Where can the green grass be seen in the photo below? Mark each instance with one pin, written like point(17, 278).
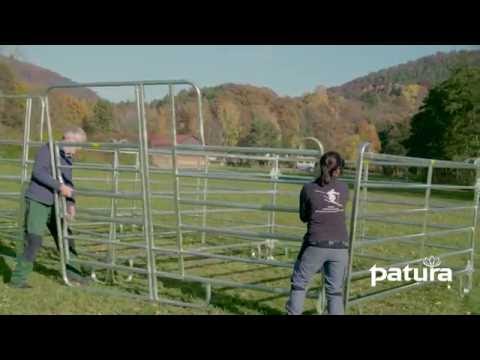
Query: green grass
point(50, 296)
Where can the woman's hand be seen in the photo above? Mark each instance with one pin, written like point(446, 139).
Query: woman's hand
point(71, 211)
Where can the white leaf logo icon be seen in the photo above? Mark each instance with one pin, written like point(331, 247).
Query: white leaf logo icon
point(432, 261)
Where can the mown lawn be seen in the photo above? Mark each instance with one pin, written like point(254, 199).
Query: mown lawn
point(50, 296)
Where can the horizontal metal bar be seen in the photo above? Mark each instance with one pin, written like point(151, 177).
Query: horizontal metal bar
point(9, 161)
point(107, 220)
point(263, 236)
point(414, 211)
point(224, 247)
point(109, 168)
point(10, 194)
point(228, 204)
point(384, 185)
point(106, 242)
point(409, 223)
point(248, 150)
point(238, 178)
point(10, 177)
point(20, 143)
point(191, 278)
point(108, 194)
point(413, 236)
point(93, 233)
point(246, 260)
point(394, 202)
point(168, 152)
point(421, 161)
point(20, 96)
point(433, 245)
point(99, 145)
point(122, 84)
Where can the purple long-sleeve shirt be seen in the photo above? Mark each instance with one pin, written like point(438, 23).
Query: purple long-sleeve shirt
point(42, 184)
point(323, 209)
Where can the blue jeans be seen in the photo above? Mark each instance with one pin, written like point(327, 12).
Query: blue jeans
point(311, 260)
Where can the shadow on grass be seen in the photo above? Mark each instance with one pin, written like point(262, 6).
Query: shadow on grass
point(6, 271)
point(220, 298)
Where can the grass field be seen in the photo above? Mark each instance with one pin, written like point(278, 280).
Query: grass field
point(50, 296)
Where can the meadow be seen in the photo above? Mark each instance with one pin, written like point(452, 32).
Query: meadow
point(50, 296)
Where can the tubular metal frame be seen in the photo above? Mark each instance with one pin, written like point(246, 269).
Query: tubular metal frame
point(152, 230)
point(25, 144)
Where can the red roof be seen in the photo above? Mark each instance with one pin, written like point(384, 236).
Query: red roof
point(159, 140)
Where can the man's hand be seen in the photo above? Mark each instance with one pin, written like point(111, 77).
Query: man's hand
point(66, 191)
point(71, 210)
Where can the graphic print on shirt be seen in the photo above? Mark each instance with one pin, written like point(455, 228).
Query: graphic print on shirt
point(332, 198)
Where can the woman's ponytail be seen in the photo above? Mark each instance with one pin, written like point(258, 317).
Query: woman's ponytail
point(330, 162)
point(325, 176)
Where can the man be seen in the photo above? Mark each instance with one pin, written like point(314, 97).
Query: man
point(40, 209)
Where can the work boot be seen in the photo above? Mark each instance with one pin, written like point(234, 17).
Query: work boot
point(76, 277)
point(21, 273)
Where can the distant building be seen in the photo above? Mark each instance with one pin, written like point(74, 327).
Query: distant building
point(183, 161)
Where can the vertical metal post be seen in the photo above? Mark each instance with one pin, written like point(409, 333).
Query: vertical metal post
point(428, 192)
point(63, 208)
point(42, 122)
point(26, 141)
point(353, 221)
point(205, 161)
point(112, 235)
point(135, 183)
point(274, 194)
point(176, 181)
point(197, 183)
point(205, 197)
point(56, 174)
point(476, 200)
point(270, 243)
point(24, 173)
point(364, 201)
point(147, 206)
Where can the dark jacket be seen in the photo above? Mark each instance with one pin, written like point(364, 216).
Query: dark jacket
point(323, 208)
point(42, 184)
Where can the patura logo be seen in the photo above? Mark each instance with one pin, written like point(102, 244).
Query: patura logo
point(430, 272)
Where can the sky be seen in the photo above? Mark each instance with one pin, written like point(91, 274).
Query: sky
point(288, 70)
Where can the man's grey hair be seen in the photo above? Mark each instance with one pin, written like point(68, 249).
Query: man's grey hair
point(74, 130)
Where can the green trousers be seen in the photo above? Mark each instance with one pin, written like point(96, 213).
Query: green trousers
point(38, 217)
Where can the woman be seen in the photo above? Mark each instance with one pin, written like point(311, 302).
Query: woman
point(325, 245)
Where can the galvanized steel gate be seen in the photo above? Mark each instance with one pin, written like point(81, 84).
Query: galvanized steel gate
point(179, 223)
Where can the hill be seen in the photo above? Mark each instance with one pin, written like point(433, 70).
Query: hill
point(38, 78)
point(376, 108)
point(426, 72)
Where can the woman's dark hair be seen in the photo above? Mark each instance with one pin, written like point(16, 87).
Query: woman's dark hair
point(329, 163)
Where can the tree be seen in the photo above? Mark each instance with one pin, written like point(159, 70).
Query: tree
point(229, 116)
point(12, 111)
point(7, 79)
point(262, 134)
point(392, 138)
point(368, 132)
point(447, 125)
point(102, 117)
